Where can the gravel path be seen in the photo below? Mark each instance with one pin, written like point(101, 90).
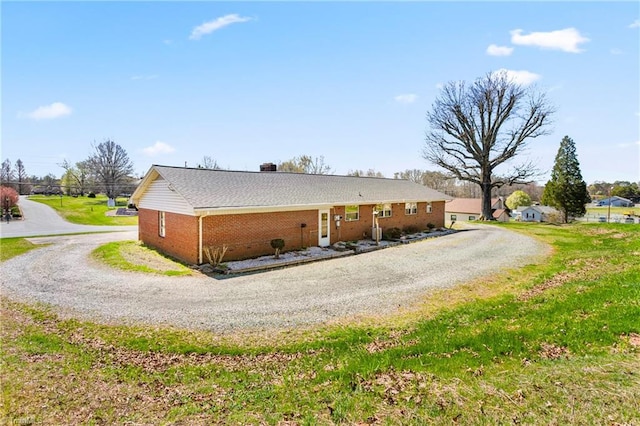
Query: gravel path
point(63, 275)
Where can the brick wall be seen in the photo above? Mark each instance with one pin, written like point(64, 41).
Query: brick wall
point(250, 235)
point(355, 230)
point(181, 234)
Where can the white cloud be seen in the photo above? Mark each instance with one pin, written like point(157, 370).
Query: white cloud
point(216, 24)
point(635, 24)
point(521, 77)
point(158, 148)
point(407, 98)
point(47, 112)
point(567, 40)
point(495, 50)
point(615, 51)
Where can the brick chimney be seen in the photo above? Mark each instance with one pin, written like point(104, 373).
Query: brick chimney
point(268, 167)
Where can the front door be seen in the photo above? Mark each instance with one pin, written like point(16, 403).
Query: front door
point(324, 239)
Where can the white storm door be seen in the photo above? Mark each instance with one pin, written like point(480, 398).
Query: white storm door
point(324, 239)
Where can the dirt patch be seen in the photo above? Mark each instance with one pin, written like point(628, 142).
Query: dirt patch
point(551, 351)
point(584, 271)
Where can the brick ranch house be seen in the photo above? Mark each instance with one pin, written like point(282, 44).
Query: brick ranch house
point(184, 210)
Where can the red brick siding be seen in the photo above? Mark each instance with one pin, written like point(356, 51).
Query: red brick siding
point(181, 234)
point(249, 235)
point(354, 230)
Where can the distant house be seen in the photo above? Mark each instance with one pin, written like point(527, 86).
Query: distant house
point(536, 213)
point(182, 211)
point(467, 209)
point(616, 202)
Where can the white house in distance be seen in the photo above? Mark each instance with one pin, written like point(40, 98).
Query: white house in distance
point(468, 209)
point(616, 201)
point(535, 213)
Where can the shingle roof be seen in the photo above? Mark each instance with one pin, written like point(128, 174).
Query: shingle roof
point(205, 188)
point(539, 209)
point(466, 205)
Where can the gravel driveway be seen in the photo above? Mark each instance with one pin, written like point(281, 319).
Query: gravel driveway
point(63, 275)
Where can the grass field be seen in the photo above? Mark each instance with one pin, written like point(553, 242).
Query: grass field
point(85, 210)
point(602, 211)
point(555, 343)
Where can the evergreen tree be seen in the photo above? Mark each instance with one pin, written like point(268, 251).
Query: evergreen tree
point(566, 191)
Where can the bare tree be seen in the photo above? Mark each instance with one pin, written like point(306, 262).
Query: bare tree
point(474, 129)
point(22, 177)
point(305, 164)
point(209, 163)
point(78, 175)
point(7, 175)
point(111, 166)
point(368, 173)
point(413, 175)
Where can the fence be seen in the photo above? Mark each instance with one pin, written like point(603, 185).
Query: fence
point(613, 218)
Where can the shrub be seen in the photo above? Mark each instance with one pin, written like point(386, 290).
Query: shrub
point(277, 244)
point(215, 254)
point(430, 226)
point(8, 197)
point(410, 229)
point(391, 233)
point(91, 195)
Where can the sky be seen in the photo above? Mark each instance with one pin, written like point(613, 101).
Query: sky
point(252, 82)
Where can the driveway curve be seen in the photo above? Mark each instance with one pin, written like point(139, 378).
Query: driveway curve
point(63, 275)
point(40, 219)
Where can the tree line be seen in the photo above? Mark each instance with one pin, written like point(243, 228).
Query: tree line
point(108, 170)
point(474, 130)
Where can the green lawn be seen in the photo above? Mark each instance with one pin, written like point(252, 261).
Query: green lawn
point(85, 210)
point(554, 343)
point(134, 257)
point(11, 247)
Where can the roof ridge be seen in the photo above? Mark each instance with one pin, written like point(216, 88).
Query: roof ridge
point(277, 172)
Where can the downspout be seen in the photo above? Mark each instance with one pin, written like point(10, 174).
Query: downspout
point(200, 240)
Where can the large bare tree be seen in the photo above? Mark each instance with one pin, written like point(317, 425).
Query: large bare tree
point(476, 128)
point(111, 166)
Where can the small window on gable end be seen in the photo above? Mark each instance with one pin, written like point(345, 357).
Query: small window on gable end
point(352, 213)
point(161, 224)
point(454, 217)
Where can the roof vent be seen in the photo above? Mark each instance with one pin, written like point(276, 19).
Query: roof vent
point(268, 167)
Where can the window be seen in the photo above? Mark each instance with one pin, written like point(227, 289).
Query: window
point(454, 217)
point(384, 210)
point(161, 224)
point(352, 213)
point(472, 218)
point(429, 208)
point(411, 208)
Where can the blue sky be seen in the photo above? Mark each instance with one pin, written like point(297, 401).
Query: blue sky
point(253, 82)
